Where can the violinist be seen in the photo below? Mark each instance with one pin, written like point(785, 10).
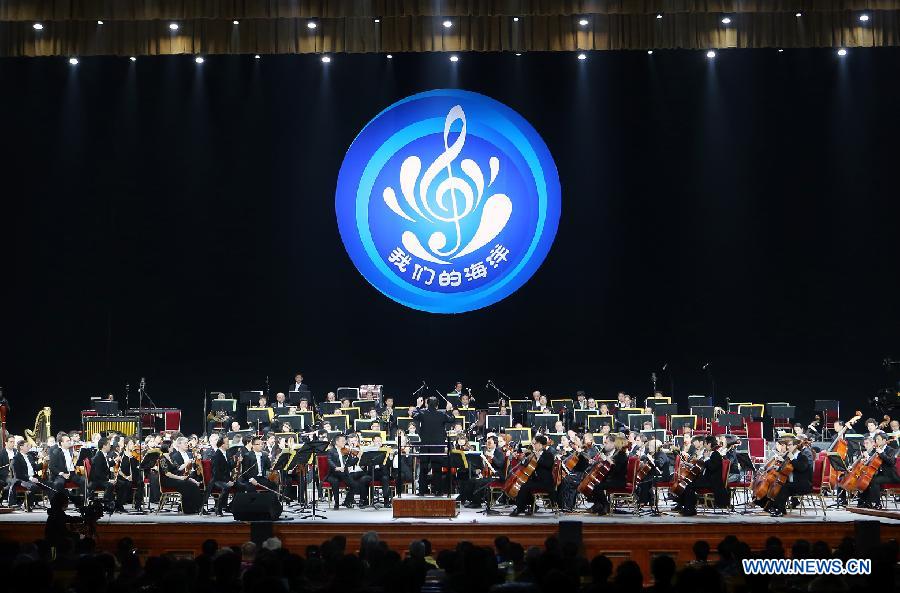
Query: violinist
point(172, 476)
point(6, 457)
point(661, 471)
point(255, 466)
point(568, 487)
point(799, 481)
point(181, 457)
point(24, 473)
point(727, 447)
point(711, 459)
point(541, 479)
point(871, 496)
point(124, 473)
point(614, 452)
point(340, 463)
point(62, 464)
point(382, 473)
point(471, 492)
point(222, 468)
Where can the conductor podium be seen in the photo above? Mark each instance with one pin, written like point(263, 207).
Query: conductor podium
point(424, 507)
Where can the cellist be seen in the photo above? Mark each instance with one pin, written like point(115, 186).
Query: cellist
point(706, 451)
point(614, 451)
point(541, 479)
point(800, 479)
point(887, 473)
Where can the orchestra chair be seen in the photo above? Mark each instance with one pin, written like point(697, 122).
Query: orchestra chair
point(706, 495)
point(757, 449)
point(742, 486)
point(891, 490)
point(548, 497)
point(169, 497)
point(664, 486)
point(328, 489)
point(815, 496)
point(91, 494)
point(754, 429)
point(628, 494)
point(495, 487)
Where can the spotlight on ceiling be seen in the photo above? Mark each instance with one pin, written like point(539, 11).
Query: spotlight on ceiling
point(658, 16)
point(583, 22)
point(199, 59)
point(781, 51)
point(798, 15)
point(842, 52)
point(582, 57)
point(448, 24)
point(454, 58)
point(37, 27)
point(133, 59)
point(73, 61)
point(710, 54)
point(864, 18)
point(326, 59)
point(377, 20)
point(649, 52)
point(256, 57)
point(173, 26)
point(726, 21)
point(515, 19)
point(99, 22)
point(235, 22)
point(312, 25)
point(390, 56)
point(518, 53)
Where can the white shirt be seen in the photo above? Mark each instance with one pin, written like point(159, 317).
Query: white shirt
point(28, 463)
point(70, 465)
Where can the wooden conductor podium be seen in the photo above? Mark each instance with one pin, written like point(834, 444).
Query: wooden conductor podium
point(424, 507)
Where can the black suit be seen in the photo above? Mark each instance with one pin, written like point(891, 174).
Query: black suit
point(250, 470)
point(431, 426)
point(301, 387)
point(615, 478)
point(357, 482)
point(887, 474)
point(5, 466)
point(712, 479)
point(101, 477)
point(799, 482)
point(57, 466)
point(221, 476)
point(541, 479)
point(20, 476)
point(474, 490)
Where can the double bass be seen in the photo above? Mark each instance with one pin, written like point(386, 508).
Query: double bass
point(841, 447)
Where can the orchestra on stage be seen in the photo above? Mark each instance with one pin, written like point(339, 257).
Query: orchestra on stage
point(353, 448)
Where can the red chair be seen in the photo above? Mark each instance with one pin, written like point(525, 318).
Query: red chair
point(629, 492)
point(892, 489)
point(207, 479)
point(707, 495)
point(755, 429)
point(757, 449)
point(322, 461)
point(819, 478)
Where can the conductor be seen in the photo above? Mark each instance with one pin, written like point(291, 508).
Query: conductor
point(431, 424)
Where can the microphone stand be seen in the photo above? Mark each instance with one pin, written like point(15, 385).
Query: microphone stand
point(712, 381)
point(140, 449)
point(205, 420)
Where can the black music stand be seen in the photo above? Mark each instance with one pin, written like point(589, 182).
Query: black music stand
point(454, 399)
point(730, 421)
point(369, 460)
point(260, 416)
point(314, 448)
point(699, 400)
point(824, 406)
point(596, 421)
point(780, 413)
point(279, 466)
point(636, 421)
point(456, 459)
point(294, 397)
point(329, 407)
point(580, 417)
point(106, 407)
point(546, 422)
point(519, 408)
point(495, 422)
point(666, 410)
point(679, 421)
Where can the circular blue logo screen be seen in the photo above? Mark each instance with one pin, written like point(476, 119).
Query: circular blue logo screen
point(448, 201)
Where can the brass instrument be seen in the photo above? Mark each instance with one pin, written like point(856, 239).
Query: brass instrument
point(41, 430)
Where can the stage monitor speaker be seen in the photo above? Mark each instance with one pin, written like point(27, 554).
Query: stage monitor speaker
point(571, 531)
point(255, 506)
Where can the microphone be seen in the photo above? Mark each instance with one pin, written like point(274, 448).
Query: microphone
point(488, 384)
point(704, 367)
point(143, 382)
point(665, 365)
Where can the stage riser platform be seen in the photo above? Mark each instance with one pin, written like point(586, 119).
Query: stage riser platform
point(639, 542)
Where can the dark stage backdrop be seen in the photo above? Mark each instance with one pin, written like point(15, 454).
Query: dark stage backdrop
point(177, 222)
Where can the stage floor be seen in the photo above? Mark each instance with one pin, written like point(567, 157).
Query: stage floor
point(381, 516)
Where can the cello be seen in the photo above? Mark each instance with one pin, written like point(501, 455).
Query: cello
point(518, 476)
point(860, 475)
point(594, 475)
point(688, 471)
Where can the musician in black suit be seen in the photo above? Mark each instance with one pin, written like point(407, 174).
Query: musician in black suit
point(61, 466)
point(541, 478)
point(221, 476)
point(660, 471)
point(280, 404)
point(706, 451)
point(887, 473)
point(339, 470)
point(471, 492)
point(431, 426)
point(298, 384)
point(101, 477)
point(255, 466)
point(24, 473)
point(6, 457)
point(615, 451)
point(800, 479)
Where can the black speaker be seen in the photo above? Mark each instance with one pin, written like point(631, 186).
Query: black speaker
point(255, 506)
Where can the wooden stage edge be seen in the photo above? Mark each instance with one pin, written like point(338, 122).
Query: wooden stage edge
point(640, 542)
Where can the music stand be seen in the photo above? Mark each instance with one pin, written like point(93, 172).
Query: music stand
point(351, 413)
point(248, 397)
point(520, 435)
point(454, 398)
point(652, 402)
point(636, 421)
point(581, 416)
point(519, 407)
point(315, 448)
point(544, 421)
point(667, 410)
point(294, 397)
point(295, 420)
point(360, 424)
point(699, 400)
point(329, 407)
point(260, 416)
point(338, 422)
point(730, 421)
point(680, 420)
point(364, 406)
point(825, 406)
point(597, 421)
point(495, 422)
point(752, 411)
point(351, 393)
point(223, 405)
point(780, 412)
point(106, 407)
point(558, 405)
point(371, 459)
point(456, 459)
